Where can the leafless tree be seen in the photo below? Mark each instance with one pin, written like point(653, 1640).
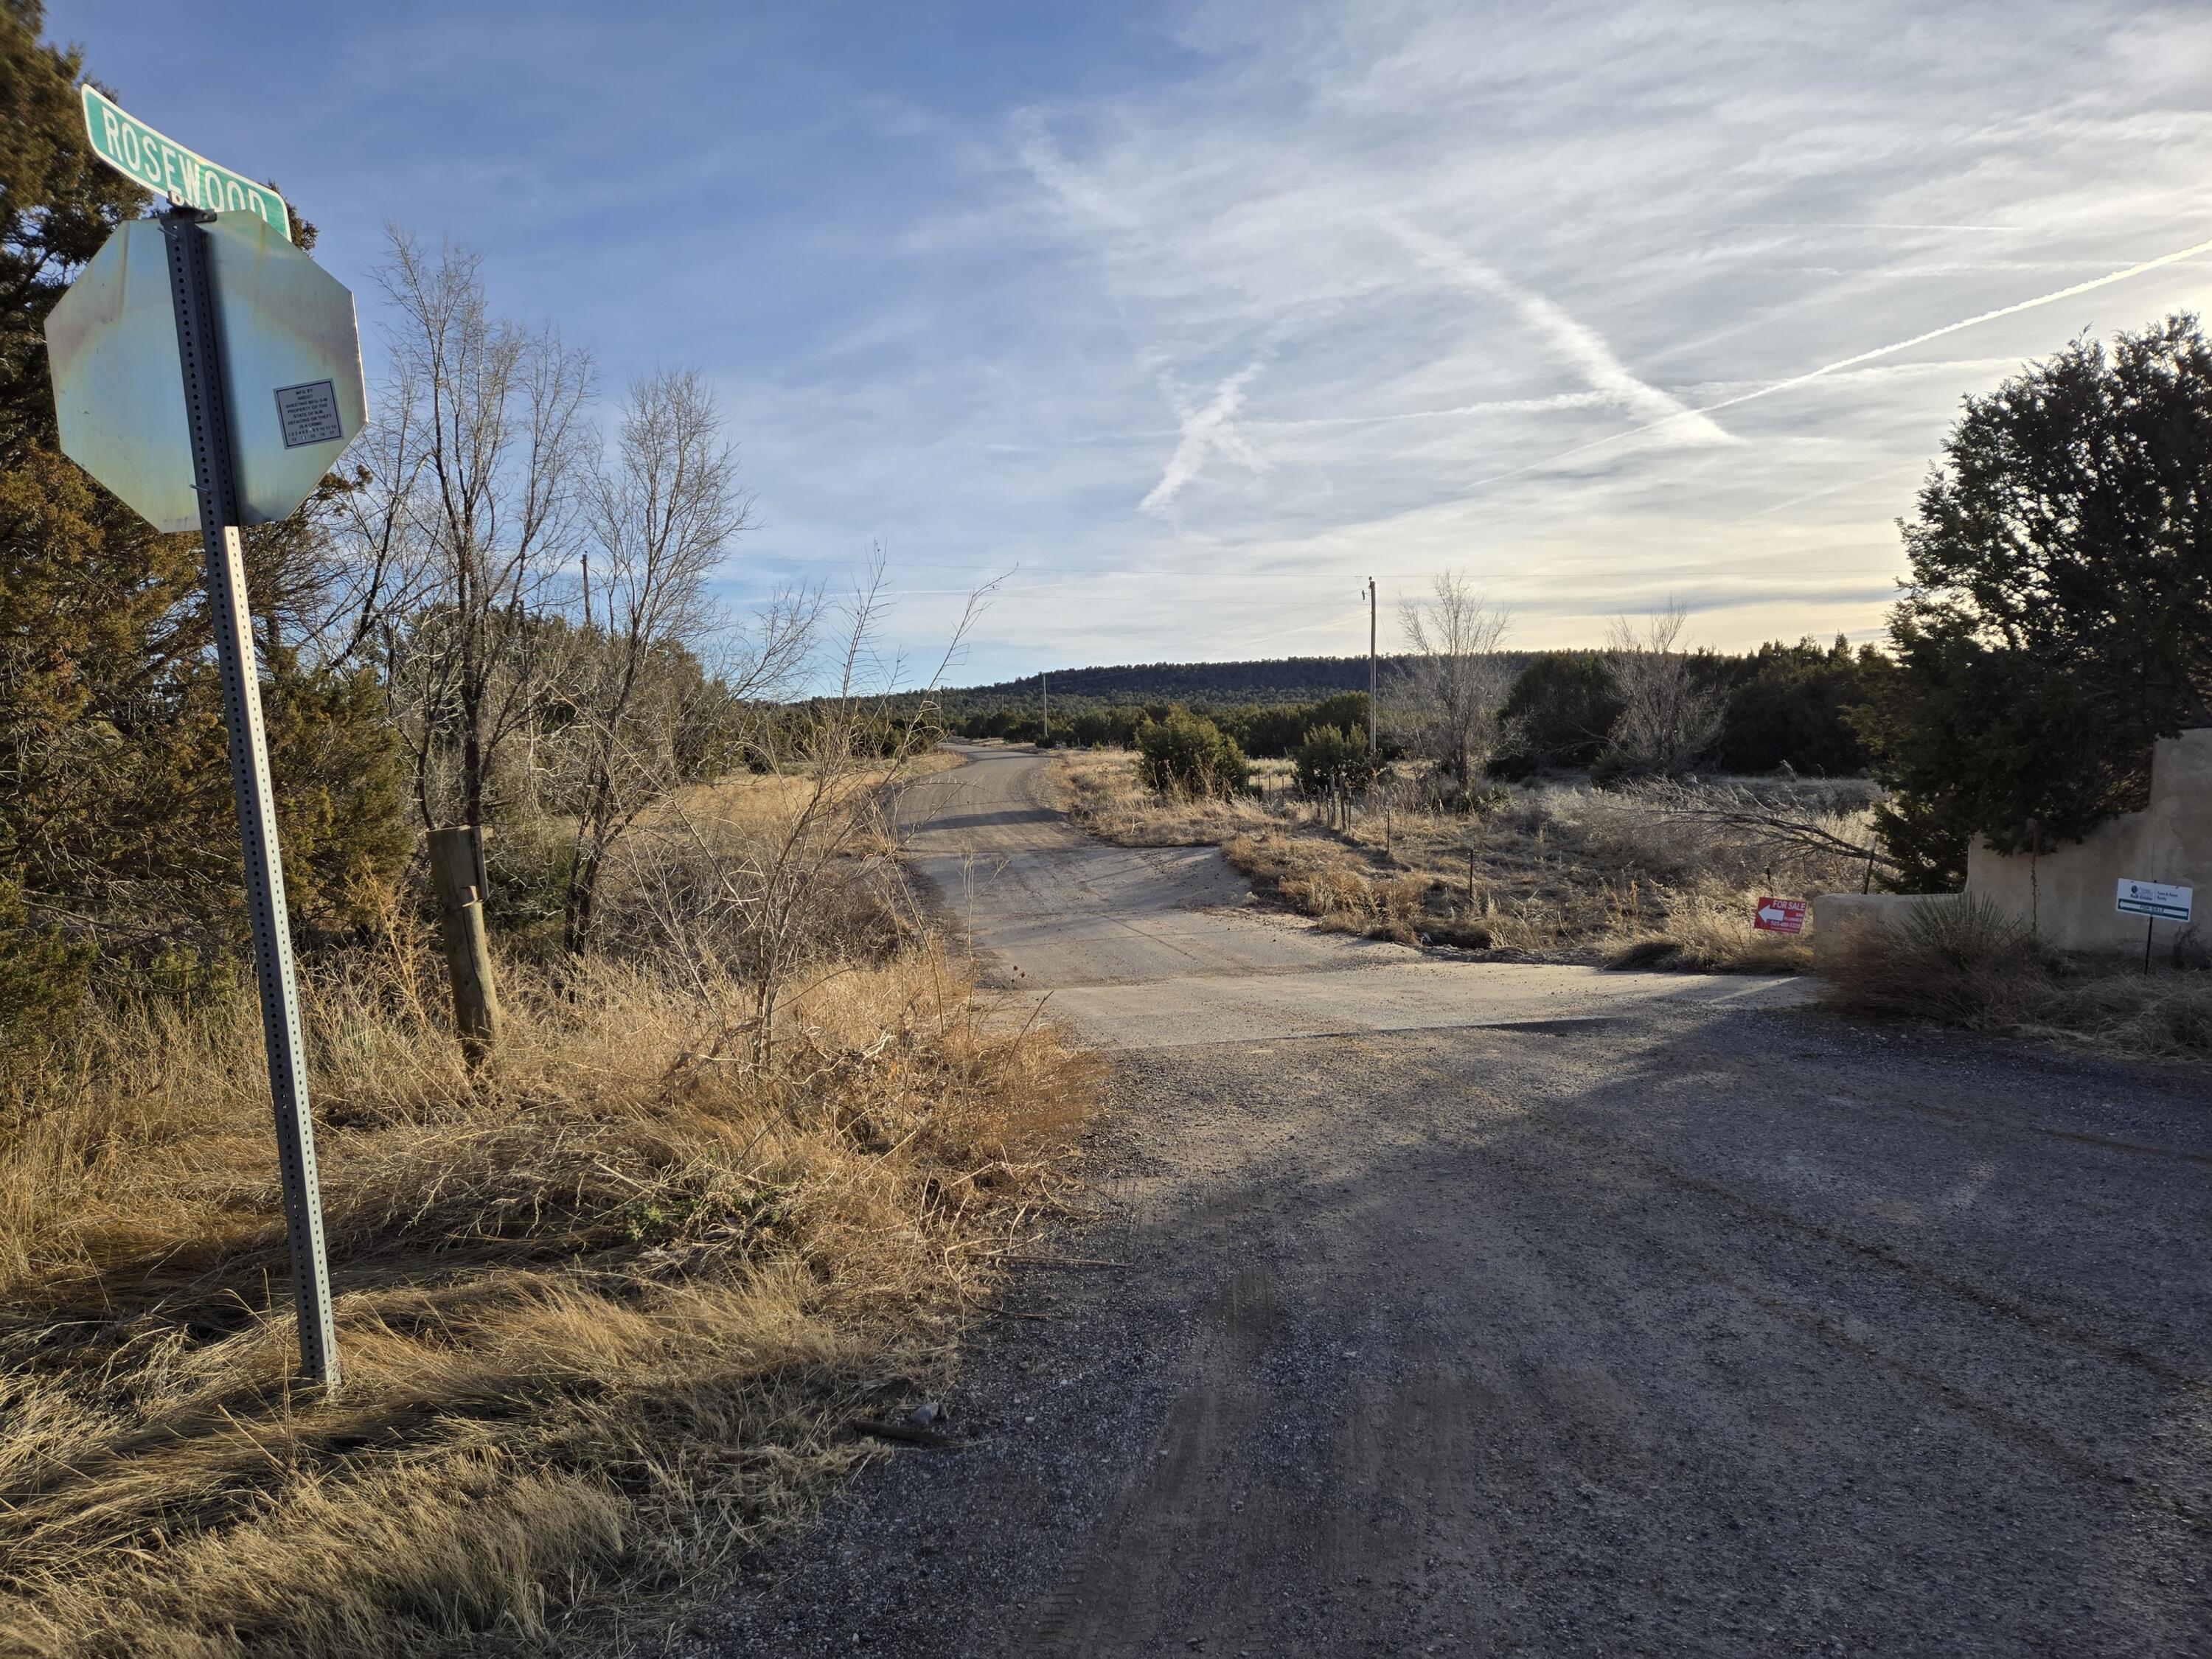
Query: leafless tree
point(478, 481)
point(769, 901)
point(1667, 721)
point(1455, 683)
point(379, 562)
point(661, 515)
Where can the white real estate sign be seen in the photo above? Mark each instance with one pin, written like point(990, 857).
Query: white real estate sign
point(2153, 899)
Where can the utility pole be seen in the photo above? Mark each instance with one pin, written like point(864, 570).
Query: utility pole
point(1045, 685)
point(1372, 749)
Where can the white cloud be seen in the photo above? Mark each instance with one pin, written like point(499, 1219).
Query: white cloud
point(1505, 269)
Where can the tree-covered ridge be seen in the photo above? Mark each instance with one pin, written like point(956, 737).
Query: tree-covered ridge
point(1209, 684)
point(1780, 706)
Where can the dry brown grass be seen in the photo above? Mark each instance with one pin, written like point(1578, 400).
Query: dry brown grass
point(1555, 872)
point(1319, 878)
point(1967, 966)
point(604, 1317)
point(1099, 789)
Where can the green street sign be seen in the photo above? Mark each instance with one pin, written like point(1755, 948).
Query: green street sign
point(167, 168)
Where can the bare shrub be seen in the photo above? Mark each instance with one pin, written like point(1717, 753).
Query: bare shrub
point(1707, 933)
point(1330, 884)
point(1667, 721)
point(762, 901)
point(2171, 1018)
point(1960, 961)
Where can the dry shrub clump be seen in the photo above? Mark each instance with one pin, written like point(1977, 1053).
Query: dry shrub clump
point(1703, 933)
point(1324, 881)
point(1100, 792)
point(604, 1314)
point(1962, 962)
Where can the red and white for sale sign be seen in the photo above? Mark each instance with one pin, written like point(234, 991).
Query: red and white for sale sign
point(1780, 915)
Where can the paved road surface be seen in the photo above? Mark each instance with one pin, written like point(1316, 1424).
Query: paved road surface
point(1155, 947)
point(1476, 1310)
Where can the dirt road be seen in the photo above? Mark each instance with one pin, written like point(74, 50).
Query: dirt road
point(1445, 1307)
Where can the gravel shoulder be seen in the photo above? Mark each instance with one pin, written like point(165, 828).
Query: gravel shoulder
point(1674, 1326)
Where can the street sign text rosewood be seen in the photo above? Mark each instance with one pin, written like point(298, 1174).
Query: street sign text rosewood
point(167, 168)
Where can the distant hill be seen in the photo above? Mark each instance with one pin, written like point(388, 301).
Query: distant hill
point(1194, 685)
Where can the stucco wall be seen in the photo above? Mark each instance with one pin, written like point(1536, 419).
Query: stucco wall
point(2066, 895)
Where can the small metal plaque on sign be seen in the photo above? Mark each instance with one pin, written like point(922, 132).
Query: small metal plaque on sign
point(309, 414)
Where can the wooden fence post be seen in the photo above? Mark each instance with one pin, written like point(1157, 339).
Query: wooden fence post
point(456, 870)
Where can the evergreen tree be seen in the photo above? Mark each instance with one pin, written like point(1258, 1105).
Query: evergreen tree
point(2059, 616)
point(116, 832)
point(1785, 708)
point(1557, 713)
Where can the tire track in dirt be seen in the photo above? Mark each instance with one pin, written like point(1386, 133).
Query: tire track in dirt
point(1181, 1498)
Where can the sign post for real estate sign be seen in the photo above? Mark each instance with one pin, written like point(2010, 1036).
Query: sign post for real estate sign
point(2156, 902)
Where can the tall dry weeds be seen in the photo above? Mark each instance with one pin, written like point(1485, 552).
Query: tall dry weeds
point(604, 1315)
point(1965, 964)
point(1664, 877)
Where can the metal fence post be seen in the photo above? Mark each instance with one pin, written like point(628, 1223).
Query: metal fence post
point(207, 412)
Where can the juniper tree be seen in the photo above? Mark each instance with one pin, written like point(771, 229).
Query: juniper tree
point(2059, 618)
point(116, 832)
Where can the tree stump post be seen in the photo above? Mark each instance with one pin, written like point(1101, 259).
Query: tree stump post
point(456, 873)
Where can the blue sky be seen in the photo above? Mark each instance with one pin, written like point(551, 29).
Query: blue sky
point(1200, 315)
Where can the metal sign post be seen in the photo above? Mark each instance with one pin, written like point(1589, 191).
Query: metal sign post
point(2156, 902)
point(207, 417)
point(268, 355)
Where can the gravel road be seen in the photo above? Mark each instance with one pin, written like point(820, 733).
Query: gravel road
point(1439, 1307)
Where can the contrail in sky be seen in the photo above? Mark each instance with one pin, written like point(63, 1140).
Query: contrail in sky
point(1208, 431)
point(2108, 278)
point(1496, 406)
point(1572, 339)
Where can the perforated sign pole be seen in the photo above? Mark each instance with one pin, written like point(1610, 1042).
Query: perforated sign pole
point(206, 412)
